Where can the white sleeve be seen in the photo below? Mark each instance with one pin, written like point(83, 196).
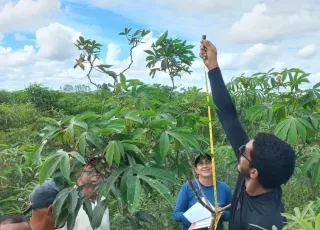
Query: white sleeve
point(107, 219)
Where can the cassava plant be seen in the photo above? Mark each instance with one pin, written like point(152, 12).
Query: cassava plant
point(174, 55)
point(90, 51)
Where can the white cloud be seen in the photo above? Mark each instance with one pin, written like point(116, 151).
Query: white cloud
point(52, 65)
point(269, 21)
point(52, 59)
point(56, 42)
point(202, 6)
point(106, 3)
point(113, 52)
point(27, 14)
point(308, 51)
point(138, 54)
point(20, 37)
point(255, 57)
point(9, 57)
point(188, 6)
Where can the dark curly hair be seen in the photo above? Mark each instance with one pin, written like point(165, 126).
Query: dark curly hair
point(274, 159)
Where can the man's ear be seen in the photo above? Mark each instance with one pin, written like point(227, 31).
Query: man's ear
point(50, 209)
point(254, 173)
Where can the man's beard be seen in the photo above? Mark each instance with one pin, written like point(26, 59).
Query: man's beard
point(244, 172)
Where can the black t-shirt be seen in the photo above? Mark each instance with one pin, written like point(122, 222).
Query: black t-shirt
point(263, 210)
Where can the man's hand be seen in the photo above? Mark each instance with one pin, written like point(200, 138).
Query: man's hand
point(208, 53)
point(192, 226)
point(220, 215)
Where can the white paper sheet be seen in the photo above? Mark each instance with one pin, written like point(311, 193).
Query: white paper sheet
point(197, 212)
point(203, 223)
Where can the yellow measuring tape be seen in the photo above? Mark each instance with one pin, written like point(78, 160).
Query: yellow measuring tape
point(213, 160)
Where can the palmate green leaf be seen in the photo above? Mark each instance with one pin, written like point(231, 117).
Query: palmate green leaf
point(108, 131)
point(77, 156)
point(70, 128)
point(136, 167)
point(134, 117)
point(162, 38)
point(48, 167)
point(180, 139)
point(292, 128)
point(98, 213)
point(87, 207)
point(123, 184)
point(81, 124)
point(292, 134)
point(169, 117)
point(63, 216)
point(118, 88)
point(134, 142)
point(279, 111)
point(317, 223)
point(159, 123)
point(149, 52)
point(35, 155)
point(113, 151)
point(70, 222)
point(131, 147)
point(159, 173)
point(264, 110)
point(108, 115)
point(72, 201)
point(65, 165)
point(60, 201)
point(164, 64)
point(110, 152)
point(297, 212)
point(83, 143)
point(164, 144)
point(305, 224)
point(123, 81)
point(316, 174)
point(136, 134)
point(133, 192)
point(94, 139)
point(313, 159)
point(314, 121)
point(49, 132)
point(163, 190)
point(148, 113)
point(185, 138)
point(107, 184)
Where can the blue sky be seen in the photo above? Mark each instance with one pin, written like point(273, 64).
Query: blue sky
point(37, 36)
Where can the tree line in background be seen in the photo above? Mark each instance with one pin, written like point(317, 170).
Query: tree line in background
point(146, 136)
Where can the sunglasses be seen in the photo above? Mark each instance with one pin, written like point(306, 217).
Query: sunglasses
point(242, 151)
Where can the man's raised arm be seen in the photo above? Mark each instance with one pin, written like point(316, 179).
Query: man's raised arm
point(226, 110)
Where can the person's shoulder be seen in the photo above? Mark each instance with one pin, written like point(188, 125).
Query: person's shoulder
point(223, 185)
point(187, 187)
point(186, 184)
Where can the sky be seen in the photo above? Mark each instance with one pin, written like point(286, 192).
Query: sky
point(37, 37)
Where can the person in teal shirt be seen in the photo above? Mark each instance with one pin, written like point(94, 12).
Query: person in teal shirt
point(186, 197)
